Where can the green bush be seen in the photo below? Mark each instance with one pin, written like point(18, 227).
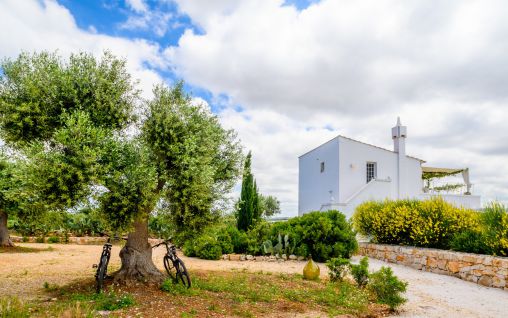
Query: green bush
point(238, 239)
point(39, 239)
point(360, 272)
point(338, 268)
point(430, 223)
point(53, 239)
point(387, 287)
point(188, 248)
point(256, 236)
point(323, 235)
point(225, 241)
point(494, 226)
point(207, 247)
point(470, 241)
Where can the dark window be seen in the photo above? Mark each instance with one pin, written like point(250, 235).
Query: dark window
point(322, 167)
point(371, 171)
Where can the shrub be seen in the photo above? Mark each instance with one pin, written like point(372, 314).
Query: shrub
point(225, 241)
point(207, 247)
point(39, 239)
point(188, 248)
point(430, 223)
point(238, 239)
point(494, 225)
point(323, 235)
point(258, 234)
point(471, 241)
point(338, 268)
point(53, 239)
point(360, 272)
point(387, 287)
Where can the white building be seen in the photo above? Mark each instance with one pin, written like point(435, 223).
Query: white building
point(343, 172)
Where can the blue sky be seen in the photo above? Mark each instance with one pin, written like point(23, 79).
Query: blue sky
point(290, 75)
point(121, 18)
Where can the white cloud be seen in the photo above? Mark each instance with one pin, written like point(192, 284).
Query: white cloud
point(137, 5)
point(46, 25)
point(144, 18)
point(353, 66)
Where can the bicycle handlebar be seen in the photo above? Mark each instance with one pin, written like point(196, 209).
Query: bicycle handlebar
point(163, 242)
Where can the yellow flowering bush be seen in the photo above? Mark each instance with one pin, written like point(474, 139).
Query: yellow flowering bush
point(430, 223)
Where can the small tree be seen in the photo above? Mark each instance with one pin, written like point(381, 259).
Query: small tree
point(269, 206)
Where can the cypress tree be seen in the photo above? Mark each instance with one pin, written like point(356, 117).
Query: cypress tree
point(248, 210)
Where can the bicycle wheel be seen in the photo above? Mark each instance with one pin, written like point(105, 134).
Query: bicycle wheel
point(100, 276)
point(182, 274)
point(169, 268)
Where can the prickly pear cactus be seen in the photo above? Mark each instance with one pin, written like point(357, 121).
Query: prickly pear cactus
point(311, 270)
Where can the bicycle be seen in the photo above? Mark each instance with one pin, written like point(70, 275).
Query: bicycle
point(176, 270)
point(102, 268)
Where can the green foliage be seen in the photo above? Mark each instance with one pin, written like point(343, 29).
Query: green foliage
point(53, 239)
point(470, 241)
point(256, 236)
point(248, 206)
point(430, 223)
point(40, 89)
point(109, 301)
point(175, 288)
point(87, 221)
point(360, 272)
point(188, 248)
point(338, 268)
point(160, 226)
point(387, 287)
point(323, 235)
point(205, 247)
point(239, 239)
point(268, 205)
point(494, 227)
point(198, 161)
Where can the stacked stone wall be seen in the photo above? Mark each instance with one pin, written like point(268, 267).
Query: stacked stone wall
point(491, 271)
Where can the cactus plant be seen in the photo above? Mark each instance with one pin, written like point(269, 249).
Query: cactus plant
point(268, 247)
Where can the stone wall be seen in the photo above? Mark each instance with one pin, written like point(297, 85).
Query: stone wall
point(81, 240)
point(481, 269)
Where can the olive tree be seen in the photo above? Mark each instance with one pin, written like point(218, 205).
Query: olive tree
point(74, 122)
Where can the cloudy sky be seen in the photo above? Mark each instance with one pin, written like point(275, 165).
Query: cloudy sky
point(289, 75)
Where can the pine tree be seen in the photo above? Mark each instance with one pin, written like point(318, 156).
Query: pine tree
point(248, 210)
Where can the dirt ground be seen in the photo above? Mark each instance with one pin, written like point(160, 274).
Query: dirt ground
point(429, 295)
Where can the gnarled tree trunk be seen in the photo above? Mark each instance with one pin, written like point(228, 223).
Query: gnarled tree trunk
point(136, 256)
point(5, 239)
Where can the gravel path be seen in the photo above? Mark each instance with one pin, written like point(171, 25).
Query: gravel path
point(429, 295)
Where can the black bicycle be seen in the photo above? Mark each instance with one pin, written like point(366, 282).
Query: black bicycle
point(174, 265)
point(102, 268)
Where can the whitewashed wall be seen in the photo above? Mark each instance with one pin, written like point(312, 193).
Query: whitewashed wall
point(314, 186)
point(353, 158)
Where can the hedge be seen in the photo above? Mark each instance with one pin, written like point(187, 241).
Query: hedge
point(434, 223)
point(429, 223)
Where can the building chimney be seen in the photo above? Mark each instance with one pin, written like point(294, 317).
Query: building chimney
point(399, 134)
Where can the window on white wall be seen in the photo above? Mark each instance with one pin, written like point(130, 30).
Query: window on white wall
point(371, 171)
point(322, 167)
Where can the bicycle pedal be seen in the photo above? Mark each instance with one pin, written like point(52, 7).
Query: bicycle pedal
point(95, 266)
